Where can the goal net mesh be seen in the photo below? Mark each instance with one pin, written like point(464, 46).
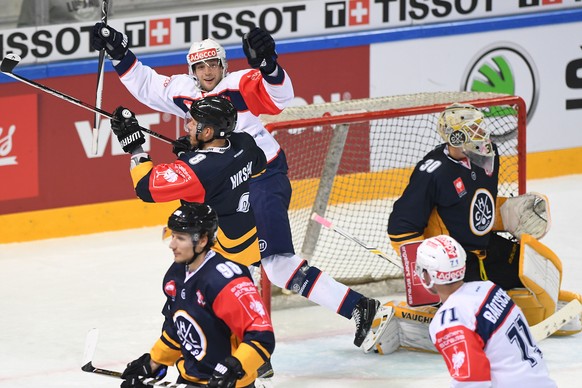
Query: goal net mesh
point(349, 161)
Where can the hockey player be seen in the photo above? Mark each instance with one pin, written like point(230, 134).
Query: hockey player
point(481, 333)
point(264, 89)
point(216, 173)
point(216, 329)
point(453, 191)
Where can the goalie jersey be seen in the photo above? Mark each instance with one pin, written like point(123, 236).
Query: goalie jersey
point(446, 196)
point(218, 177)
point(485, 340)
point(211, 313)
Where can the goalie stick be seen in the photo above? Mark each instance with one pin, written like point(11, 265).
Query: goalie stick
point(100, 75)
point(328, 224)
point(11, 60)
point(554, 322)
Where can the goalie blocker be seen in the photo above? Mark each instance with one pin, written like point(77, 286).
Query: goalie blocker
point(405, 324)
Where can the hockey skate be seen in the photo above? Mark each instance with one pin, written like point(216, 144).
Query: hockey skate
point(363, 315)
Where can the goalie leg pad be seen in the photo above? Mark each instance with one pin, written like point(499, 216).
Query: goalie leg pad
point(410, 332)
point(540, 271)
point(575, 325)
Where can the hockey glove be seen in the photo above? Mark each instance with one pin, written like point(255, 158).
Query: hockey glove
point(181, 145)
point(126, 128)
point(113, 41)
point(259, 47)
point(139, 369)
point(226, 373)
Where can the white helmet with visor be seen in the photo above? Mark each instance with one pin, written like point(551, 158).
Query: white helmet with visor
point(203, 51)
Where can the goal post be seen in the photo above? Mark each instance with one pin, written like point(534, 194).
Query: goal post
point(350, 160)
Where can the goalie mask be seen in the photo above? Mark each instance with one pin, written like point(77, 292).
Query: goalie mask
point(442, 258)
point(463, 126)
point(203, 51)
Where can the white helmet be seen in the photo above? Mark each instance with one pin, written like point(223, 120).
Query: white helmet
point(463, 126)
point(204, 50)
point(443, 258)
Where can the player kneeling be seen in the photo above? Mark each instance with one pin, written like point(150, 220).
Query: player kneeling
point(216, 329)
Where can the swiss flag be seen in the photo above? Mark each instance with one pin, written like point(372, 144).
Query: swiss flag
point(359, 12)
point(460, 187)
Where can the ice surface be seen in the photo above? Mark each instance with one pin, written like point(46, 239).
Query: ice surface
point(54, 291)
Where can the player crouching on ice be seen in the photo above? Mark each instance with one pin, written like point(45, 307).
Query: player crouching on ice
point(216, 329)
point(453, 191)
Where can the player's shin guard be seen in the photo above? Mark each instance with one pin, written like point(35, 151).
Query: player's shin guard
point(408, 328)
point(293, 273)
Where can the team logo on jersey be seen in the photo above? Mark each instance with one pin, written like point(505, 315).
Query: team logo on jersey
point(453, 345)
point(482, 212)
point(170, 289)
point(460, 187)
point(244, 203)
point(191, 335)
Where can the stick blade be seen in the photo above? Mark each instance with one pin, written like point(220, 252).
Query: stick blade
point(9, 63)
point(90, 346)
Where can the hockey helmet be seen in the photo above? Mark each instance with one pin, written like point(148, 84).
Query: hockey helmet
point(203, 51)
point(442, 258)
point(195, 219)
point(216, 112)
point(463, 126)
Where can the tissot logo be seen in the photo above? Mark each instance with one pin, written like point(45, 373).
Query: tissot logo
point(352, 13)
point(504, 68)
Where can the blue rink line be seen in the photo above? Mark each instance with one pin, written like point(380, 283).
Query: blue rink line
point(88, 66)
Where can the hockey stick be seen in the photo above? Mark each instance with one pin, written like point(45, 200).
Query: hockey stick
point(554, 322)
point(328, 224)
point(100, 75)
point(11, 60)
point(91, 345)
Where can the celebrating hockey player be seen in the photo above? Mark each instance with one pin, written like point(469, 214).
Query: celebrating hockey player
point(453, 191)
point(264, 89)
point(481, 333)
point(216, 329)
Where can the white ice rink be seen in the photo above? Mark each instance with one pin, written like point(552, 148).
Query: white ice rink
point(54, 291)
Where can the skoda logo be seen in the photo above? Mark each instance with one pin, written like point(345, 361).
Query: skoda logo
point(504, 68)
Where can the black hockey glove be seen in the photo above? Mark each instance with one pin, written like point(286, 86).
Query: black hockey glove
point(126, 128)
point(226, 373)
point(138, 369)
point(181, 145)
point(113, 41)
point(259, 47)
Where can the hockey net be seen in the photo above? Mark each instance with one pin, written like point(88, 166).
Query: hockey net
point(350, 160)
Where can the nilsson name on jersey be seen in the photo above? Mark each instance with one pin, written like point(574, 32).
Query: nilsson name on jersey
point(242, 175)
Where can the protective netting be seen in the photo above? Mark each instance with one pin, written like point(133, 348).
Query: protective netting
point(351, 171)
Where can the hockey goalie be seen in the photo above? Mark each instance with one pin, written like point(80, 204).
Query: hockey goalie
point(453, 191)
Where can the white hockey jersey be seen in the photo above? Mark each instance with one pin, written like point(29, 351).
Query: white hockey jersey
point(250, 92)
point(485, 340)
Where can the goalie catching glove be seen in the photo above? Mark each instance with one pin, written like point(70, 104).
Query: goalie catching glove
point(527, 213)
point(259, 47)
point(139, 369)
point(126, 128)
